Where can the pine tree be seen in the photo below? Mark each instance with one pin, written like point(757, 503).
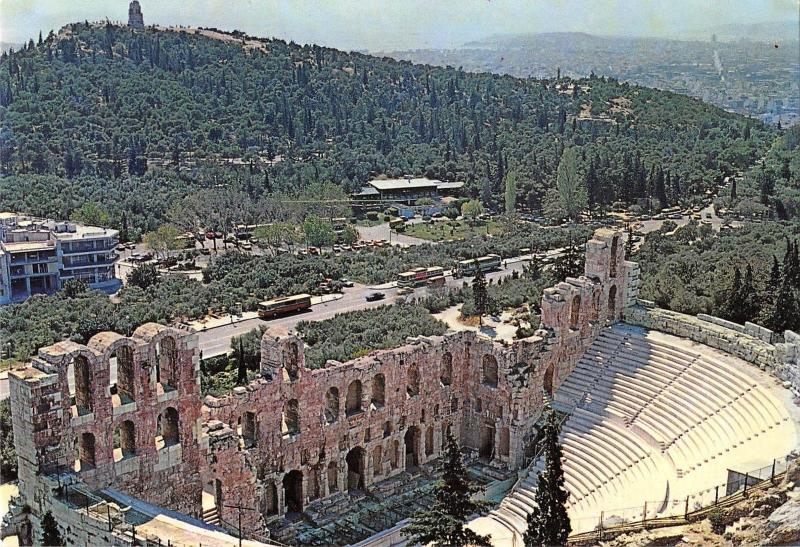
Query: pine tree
point(443, 522)
point(51, 535)
point(548, 523)
point(480, 294)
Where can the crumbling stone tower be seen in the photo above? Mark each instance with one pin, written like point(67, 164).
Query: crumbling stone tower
point(118, 411)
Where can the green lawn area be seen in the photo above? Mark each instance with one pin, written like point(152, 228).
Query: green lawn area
point(439, 231)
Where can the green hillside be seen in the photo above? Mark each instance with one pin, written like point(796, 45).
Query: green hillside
point(135, 121)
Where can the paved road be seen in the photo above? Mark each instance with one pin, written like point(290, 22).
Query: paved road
point(217, 341)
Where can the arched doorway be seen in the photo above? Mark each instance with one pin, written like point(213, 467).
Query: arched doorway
point(293, 491)
point(612, 303)
point(355, 469)
point(411, 440)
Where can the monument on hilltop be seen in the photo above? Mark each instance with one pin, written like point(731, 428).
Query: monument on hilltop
point(135, 17)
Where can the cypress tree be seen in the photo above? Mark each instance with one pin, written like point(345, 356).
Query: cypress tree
point(443, 522)
point(747, 296)
point(51, 535)
point(241, 365)
point(784, 310)
point(480, 295)
point(548, 523)
point(732, 306)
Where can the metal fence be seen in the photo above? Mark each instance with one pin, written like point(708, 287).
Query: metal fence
point(651, 511)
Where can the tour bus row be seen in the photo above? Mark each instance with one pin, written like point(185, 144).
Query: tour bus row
point(421, 276)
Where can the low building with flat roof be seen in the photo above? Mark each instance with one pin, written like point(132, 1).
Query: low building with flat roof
point(406, 189)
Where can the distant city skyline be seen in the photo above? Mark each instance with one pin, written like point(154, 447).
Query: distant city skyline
point(382, 26)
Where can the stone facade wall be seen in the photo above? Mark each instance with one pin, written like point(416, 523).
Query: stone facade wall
point(295, 435)
point(158, 415)
point(749, 342)
point(489, 395)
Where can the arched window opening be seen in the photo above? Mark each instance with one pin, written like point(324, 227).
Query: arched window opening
point(612, 267)
point(612, 303)
point(445, 435)
point(355, 469)
point(333, 477)
point(394, 461)
point(429, 441)
point(249, 429)
point(168, 428)
point(575, 312)
point(594, 311)
point(86, 451)
point(489, 371)
point(290, 422)
point(411, 440)
point(80, 378)
point(353, 400)
point(377, 461)
point(378, 391)
point(387, 428)
point(270, 499)
point(166, 369)
point(332, 405)
point(412, 389)
point(121, 375)
point(446, 377)
point(124, 441)
point(547, 383)
point(313, 483)
point(293, 491)
point(291, 368)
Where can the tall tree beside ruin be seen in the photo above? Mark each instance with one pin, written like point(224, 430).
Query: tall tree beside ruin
point(548, 523)
point(443, 522)
point(51, 535)
point(480, 295)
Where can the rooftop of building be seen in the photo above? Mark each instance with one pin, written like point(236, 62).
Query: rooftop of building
point(408, 183)
point(63, 230)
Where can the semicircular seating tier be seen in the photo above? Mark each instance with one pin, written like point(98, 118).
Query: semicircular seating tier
point(654, 419)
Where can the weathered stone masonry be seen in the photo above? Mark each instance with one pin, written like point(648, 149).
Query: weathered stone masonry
point(152, 409)
point(295, 435)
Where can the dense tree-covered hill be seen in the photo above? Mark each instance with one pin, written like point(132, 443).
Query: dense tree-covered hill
point(136, 120)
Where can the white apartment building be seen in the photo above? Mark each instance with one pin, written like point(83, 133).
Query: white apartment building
point(38, 256)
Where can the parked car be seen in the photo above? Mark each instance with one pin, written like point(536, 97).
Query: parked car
point(405, 290)
point(346, 282)
point(375, 296)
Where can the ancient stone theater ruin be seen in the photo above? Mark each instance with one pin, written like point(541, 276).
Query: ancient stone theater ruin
point(658, 407)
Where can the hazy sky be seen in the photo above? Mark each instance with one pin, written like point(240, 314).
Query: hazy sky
point(402, 24)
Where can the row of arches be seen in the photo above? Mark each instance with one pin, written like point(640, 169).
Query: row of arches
point(125, 443)
point(575, 307)
point(354, 398)
point(122, 375)
point(294, 483)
